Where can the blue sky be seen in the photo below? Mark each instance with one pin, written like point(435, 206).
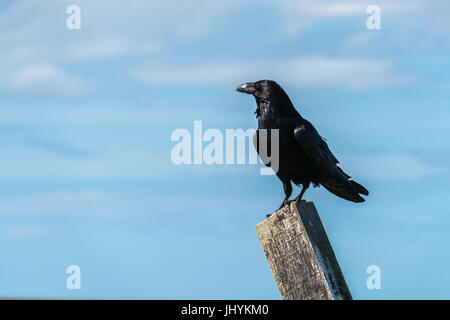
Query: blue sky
point(86, 120)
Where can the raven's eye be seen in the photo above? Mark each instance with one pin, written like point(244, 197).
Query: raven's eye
point(258, 86)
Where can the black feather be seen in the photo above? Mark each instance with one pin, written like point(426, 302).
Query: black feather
point(304, 156)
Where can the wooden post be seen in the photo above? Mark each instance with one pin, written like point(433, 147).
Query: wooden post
point(300, 255)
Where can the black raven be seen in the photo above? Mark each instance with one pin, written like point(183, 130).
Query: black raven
point(304, 156)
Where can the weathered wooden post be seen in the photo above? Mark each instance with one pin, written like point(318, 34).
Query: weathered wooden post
point(300, 255)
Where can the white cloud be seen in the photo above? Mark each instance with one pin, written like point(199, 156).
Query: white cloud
point(354, 74)
point(34, 31)
point(301, 14)
point(343, 73)
point(58, 203)
point(389, 166)
point(362, 41)
point(205, 73)
point(42, 79)
point(109, 47)
point(110, 162)
point(36, 48)
point(36, 34)
point(25, 231)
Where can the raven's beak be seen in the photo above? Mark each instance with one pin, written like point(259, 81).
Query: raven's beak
point(247, 88)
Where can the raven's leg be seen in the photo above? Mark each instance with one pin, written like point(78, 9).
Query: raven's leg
point(287, 186)
point(304, 188)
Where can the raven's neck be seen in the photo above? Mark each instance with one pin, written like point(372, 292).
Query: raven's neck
point(271, 116)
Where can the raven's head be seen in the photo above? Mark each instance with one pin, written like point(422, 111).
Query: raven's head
point(268, 94)
point(260, 89)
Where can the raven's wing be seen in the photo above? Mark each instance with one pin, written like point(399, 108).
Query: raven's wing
point(335, 179)
point(317, 149)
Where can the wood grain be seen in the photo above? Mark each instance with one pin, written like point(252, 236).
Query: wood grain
point(300, 255)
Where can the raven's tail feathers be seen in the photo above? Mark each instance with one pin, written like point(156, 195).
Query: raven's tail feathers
point(347, 189)
point(359, 188)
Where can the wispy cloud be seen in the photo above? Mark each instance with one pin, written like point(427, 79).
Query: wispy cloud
point(34, 34)
point(24, 231)
point(65, 149)
point(390, 166)
point(23, 162)
point(317, 71)
point(65, 203)
point(302, 14)
point(110, 47)
point(40, 79)
point(32, 31)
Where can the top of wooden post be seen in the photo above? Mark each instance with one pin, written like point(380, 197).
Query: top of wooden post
point(300, 255)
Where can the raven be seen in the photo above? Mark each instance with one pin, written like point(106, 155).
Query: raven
point(304, 156)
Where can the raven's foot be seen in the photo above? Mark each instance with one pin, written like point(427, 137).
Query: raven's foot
point(299, 199)
point(285, 203)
